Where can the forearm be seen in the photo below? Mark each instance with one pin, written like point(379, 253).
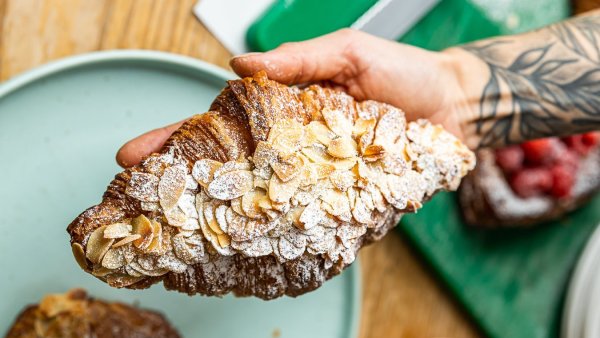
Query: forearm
point(543, 83)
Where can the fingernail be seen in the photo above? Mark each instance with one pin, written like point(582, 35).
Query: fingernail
point(245, 55)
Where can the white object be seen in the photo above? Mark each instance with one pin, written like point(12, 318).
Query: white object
point(390, 19)
point(228, 20)
point(580, 314)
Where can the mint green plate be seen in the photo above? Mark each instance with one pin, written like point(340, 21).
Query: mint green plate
point(60, 126)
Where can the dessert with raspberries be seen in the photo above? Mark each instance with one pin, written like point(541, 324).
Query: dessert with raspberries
point(536, 181)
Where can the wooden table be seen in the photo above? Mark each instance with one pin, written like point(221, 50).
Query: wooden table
point(400, 296)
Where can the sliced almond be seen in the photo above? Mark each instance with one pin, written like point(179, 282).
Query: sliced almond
point(373, 153)
point(236, 205)
point(175, 217)
point(204, 170)
point(97, 245)
point(250, 203)
point(337, 122)
point(224, 240)
point(318, 131)
point(100, 271)
point(344, 164)
point(322, 170)
point(156, 243)
point(288, 167)
point(264, 155)
point(361, 213)
point(117, 230)
point(264, 203)
point(365, 140)
point(342, 179)
point(79, 255)
point(143, 187)
point(294, 216)
point(282, 127)
point(289, 141)
point(336, 204)
point(171, 186)
point(281, 192)
point(121, 280)
point(342, 147)
point(362, 126)
point(143, 227)
point(261, 183)
point(211, 221)
point(311, 216)
point(126, 240)
point(390, 127)
point(231, 185)
point(113, 259)
point(220, 216)
point(316, 154)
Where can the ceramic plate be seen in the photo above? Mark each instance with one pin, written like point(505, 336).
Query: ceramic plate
point(60, 126)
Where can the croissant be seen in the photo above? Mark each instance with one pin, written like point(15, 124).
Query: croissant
point(270, 193)
point(74, 314)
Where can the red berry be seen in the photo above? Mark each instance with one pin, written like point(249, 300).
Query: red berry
point(590, 140)
point(570, 159)
point(510, 159)
point(540, 151)
point(575, 142)
point(563, 179)
point(531, 182)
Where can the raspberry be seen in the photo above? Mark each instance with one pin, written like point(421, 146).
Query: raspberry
point(575, 142)
point(563, 179)
point(540, 151)
point(590, 139)
point(531, 182)
point(510, 159)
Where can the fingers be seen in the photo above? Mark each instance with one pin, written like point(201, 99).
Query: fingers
point(317, 59)
point(132, 152)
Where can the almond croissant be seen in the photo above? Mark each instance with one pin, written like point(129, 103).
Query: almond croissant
point(75, 315)
point(270, 193)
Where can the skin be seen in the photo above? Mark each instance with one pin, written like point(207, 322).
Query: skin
point(483, 93)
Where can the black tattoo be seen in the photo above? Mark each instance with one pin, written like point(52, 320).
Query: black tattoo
point(547, 84)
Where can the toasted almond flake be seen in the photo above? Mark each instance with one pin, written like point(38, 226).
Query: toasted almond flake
point(156, 243)
point(175, 217)
point(311, 216)
point(230, 166)
point(261, 183)
point(117, 230)
point(113, 259)
point(290, 141)
point(100, 271)
point(344, 164)
point(365, 140)
point(150, 206)
point(360, 212)
point(209, 216)
point(373, 153)
point(281, 192)
point(322, 170)
point(204, 170)
point(118, 280)
point(318, 131)
point(143, 227)
point(390, 127)
point(79, 255)
point(236, 205)
point(336, 203)
point(362, 126)
point(288, 167)
point(147, 272)
point(265, 203)
point(220, 216)
point(186, 233)
point(171, 186)
point(97, 245)
point(231, 185)
point(316, 154)
point(143, 187)
point(264, 155)
point(294, 216)
point(342, 180)
point(126, 240)
point(337, 122)
point(342, 147)
point(282, 127)
point(287, 250)
point(224, 240)
point(250, 203)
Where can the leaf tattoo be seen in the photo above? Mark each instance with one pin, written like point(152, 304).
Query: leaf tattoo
point(550, 87)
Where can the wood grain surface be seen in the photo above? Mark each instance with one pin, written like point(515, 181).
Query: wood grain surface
point(401, 298)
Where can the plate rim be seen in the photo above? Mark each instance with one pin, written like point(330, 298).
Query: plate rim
point(40, 72)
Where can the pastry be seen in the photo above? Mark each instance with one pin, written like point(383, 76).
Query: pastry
point(75, 315)
point(270, 193)
point(537, 181)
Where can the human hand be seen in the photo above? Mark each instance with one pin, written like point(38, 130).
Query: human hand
point(422, 83)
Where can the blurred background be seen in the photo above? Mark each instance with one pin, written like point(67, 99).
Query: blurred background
point(434, 277)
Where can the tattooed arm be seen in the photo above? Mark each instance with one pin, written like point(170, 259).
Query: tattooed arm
point(543, 83)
